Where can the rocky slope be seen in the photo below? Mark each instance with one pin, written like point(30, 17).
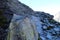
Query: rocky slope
point(47, 27)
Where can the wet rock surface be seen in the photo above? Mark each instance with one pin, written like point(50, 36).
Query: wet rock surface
point(47, 27)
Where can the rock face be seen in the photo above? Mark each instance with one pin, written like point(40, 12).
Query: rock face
point(22, 29)
point(24, 23)
point(7, 9)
